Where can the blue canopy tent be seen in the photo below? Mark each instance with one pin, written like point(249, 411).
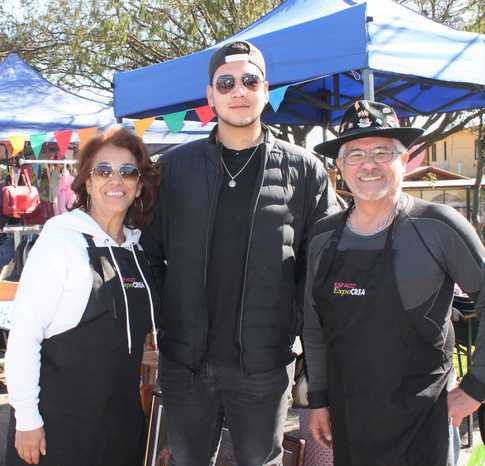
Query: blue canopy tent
point(330, 52)
point(31, 104)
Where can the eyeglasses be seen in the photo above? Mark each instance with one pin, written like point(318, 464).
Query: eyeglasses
point(226, 82)
point(356, 157)
point(128, 171)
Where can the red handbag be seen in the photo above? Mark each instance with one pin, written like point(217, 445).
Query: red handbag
point(19, 200)
point(43, 212)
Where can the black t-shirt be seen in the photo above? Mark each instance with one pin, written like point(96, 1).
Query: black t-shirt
point(229, 244)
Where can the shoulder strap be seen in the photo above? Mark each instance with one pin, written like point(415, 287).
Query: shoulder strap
point(93, 257)
point(89, 240)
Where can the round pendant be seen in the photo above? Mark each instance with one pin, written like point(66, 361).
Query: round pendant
point(232, 184)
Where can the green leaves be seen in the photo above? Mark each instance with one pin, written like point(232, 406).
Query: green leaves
point(80, 43)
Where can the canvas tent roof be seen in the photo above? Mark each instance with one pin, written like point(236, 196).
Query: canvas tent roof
point(31, 104)
point(419, 66)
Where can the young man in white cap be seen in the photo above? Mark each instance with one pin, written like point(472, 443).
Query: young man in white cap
point(232, 224)
point(378, 334)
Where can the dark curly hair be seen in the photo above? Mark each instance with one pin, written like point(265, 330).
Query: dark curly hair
point(139, 213)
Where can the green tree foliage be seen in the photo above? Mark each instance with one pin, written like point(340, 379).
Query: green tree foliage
point(466, 15)
point(79, 44)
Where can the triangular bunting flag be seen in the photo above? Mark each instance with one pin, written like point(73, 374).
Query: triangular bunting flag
point(276, 96)
point(63, 138)
point(205, 114)
point(142, 125)
point(18, 142)
point(84, 135)
point(175, 121)
point(36, 141)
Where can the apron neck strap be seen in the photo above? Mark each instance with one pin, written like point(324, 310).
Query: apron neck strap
point(93, 256)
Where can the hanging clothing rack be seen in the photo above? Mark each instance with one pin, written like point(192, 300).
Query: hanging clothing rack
point(47, 162)
point(19, 230)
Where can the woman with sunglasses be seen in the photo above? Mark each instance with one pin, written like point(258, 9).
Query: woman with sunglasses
point(82, 312)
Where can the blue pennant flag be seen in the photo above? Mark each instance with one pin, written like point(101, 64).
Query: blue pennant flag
point(276, 96)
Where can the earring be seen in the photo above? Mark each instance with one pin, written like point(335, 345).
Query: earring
point(88, 202)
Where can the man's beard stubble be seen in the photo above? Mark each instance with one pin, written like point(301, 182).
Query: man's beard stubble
point(232, 123)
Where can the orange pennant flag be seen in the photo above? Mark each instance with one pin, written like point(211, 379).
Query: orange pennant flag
point(142, 125)
point(85, 134)
point(18, 142)
point(205, 114)
point(63, 138)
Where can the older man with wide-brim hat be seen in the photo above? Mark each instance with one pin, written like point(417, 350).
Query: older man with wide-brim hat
point(378, 335)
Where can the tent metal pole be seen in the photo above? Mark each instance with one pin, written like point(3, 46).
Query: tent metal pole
point(324, 139)
point(368, 76)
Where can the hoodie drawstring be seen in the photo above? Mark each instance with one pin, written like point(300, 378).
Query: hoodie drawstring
point(152, 310)
point(128, 328)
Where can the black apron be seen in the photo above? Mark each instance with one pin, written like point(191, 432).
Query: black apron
point(90, 398)
point(387, 368)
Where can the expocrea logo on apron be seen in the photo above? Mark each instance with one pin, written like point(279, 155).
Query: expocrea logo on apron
point(132, 283)
point(347, 289)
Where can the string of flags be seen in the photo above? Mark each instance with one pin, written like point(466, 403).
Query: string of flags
point(174, 121)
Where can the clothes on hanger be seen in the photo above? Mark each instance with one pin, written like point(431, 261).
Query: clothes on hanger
point(65, 195)
point(54, 178)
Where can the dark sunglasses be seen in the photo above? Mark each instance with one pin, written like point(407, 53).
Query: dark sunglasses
point(127, 171)
point(226, 82)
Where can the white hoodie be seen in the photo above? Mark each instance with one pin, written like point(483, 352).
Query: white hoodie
point(51, 298)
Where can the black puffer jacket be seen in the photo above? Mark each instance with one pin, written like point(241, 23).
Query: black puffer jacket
point(292, 192)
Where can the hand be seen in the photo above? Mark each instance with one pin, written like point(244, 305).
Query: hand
point(460, 405)
point(30, 443)
point(319, 425)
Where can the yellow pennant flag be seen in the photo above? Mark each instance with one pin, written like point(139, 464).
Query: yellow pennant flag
point(85, 134)
point(142, 125)
point(18, 142)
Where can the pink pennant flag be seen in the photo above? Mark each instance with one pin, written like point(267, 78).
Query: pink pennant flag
point(205, 114)
point(63, 138)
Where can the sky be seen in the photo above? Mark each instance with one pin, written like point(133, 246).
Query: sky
point(11, 6)
point(14, 7)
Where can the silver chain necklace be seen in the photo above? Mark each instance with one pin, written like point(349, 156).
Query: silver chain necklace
point(232, 182)
point(387, 221)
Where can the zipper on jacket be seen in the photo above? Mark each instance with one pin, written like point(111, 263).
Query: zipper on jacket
point(208, 235)
point(250, 236)
point(212, 214)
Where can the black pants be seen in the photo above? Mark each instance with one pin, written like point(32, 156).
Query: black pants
point(253, 407)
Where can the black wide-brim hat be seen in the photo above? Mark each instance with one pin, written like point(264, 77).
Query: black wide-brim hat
point(363, 119)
